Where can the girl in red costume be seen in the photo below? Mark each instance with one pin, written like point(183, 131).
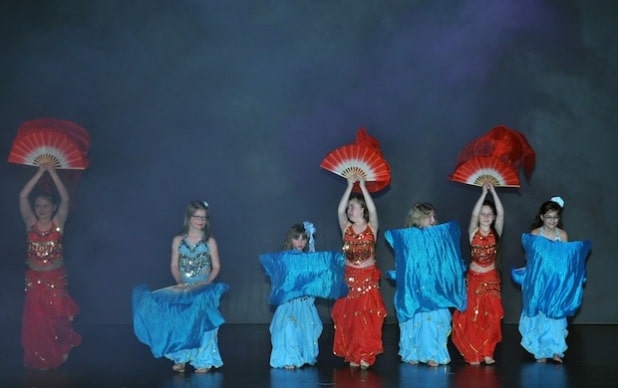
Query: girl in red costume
point(476, 331)
point(47, 333)
point(359, 316)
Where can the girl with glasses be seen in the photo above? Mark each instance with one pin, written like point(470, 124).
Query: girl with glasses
point(551, 283)
point(181, 322)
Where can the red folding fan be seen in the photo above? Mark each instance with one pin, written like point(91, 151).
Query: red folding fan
point(482, 169)
point(354, 159)
point(36, 147)
point(59, 142)
point(75, 132)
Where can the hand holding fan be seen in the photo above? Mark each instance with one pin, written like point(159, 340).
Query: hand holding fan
point(58, 142)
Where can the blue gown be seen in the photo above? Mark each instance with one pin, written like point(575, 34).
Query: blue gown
point(430, 279)
point(181, 323)
point(296, 279)
point(552, 290)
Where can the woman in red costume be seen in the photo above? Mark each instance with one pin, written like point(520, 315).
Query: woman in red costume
point(47, 333)
point(476, 331)
point(359, 316)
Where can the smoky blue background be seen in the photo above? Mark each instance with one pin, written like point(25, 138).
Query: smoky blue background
point(237, 103)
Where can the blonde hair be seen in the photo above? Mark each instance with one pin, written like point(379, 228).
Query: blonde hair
point(419, 211)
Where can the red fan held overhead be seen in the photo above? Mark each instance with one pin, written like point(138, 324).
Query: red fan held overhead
point(495, 158)
point(61, 143)
point(361, 159)
point(482, 169)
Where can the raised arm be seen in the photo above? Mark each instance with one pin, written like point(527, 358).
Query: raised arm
point(63, 207)
point(27, 214)
point(499, 222)
point(476, 210)
point(342, 210)
point(371, 207)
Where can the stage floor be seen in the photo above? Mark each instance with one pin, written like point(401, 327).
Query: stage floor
point(111, 356)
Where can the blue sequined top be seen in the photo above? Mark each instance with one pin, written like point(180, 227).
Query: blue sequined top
point(194, 262)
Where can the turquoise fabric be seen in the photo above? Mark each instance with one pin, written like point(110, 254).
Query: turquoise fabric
point(174, 318)
point(295, 274)
point(429, 269)
point(554, 276)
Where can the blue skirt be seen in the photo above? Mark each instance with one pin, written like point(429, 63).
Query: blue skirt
point(424, 337)
point(175, 318)
point(294, 330)
point(542, 336)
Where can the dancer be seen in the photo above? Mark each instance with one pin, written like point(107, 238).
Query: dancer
point(476, 331)
point(181, 322)
point(47, 332)
point(552, 283)
point(296, 325)
point(359, 316)
point(429, 276)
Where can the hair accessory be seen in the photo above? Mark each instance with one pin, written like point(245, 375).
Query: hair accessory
point(558, 200)
point(205, 204)
point(309, 231)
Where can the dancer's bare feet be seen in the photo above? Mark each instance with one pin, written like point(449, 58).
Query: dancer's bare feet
point(489, 360)
point(557, 359)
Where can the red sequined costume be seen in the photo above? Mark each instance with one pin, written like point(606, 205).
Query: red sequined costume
point(47, 333)
point(476, 331)
point(359, 316)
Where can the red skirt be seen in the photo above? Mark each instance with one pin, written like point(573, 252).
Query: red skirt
point(359, 317)
point(476, 331)
point(47, 333)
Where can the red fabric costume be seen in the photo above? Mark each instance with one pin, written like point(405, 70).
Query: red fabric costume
point(476, 331)
point(47, 333)
point(359, 316)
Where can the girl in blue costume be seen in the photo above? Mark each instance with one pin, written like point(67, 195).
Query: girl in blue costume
point(551, 283)
point(430, 279)
point(296, 325)
point(181, 322)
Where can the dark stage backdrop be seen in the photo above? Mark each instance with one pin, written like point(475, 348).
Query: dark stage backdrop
point(237, 102)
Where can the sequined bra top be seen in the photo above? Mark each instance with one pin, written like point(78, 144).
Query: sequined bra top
point(360, 247)
point(194, 261)
point(556, 236)
point(44, 248)
point(483, 248)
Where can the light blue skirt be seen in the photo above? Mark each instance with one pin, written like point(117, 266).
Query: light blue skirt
point(180, 323)
point(294, 331)
point(424, 337)
point(542, 336)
